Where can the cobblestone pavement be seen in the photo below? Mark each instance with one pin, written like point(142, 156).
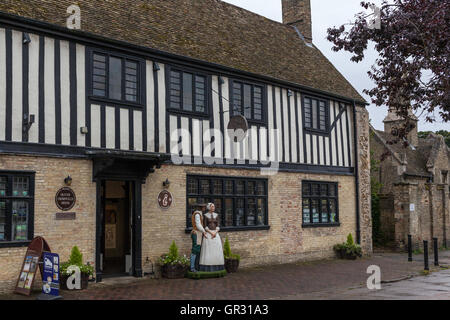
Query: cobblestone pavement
point(326, 279)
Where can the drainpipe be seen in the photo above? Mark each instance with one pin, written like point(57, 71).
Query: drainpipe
point(355, 141)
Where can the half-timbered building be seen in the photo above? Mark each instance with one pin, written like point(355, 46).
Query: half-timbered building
point(139, 99)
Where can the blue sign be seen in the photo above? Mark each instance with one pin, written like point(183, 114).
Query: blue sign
point(51, 274)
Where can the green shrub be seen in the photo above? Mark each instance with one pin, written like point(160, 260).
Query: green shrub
point(173, 257)
point(348, 249)
point(350, 241)
point(227, 251)
point(76, 259)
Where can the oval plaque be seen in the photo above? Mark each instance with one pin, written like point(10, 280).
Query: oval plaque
point(65, 199)
point(165, 199)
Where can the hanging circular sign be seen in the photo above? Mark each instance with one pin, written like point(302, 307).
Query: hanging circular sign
point(165, 199)
point(65, 199)
point(237, 128)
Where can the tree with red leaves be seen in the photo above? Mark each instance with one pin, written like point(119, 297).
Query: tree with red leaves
point(413, 67)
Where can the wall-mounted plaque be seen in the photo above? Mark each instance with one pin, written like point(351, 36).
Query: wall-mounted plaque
point(165, 199)
point(65, 199)
point(65, 216)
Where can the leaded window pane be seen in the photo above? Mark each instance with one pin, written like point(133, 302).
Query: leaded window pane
point(192, 186)
point(240, 212)
point(20, 187)
point(19, 221)
point(251, 212)
point(324, 210)
point(261, 218)
point(2, 220)
point(229, 187)
point(115, 78)
point(187, 92)
point(240, 187)
point(229, 212)
point(315, 210)
point(204, 187)
point(217, 187)
point(251, 187)
point(3, 184)
point(306, 211)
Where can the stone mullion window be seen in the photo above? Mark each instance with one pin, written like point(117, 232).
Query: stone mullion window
point(16, 208)
point(241, 202)
point(319, 203)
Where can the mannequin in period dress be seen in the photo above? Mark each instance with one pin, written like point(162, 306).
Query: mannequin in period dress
point(197, 235)
point(211, 255)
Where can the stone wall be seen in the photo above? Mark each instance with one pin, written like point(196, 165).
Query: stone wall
point(61, 235)
point(362, 121)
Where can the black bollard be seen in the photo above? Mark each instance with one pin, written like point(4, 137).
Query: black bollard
point(409, 248)
point(425, 255)
point(436, 251)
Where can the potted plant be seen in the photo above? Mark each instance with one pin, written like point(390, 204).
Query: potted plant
point(348, 250)
point(76, 259)
point(173, 266)
point(231, 260)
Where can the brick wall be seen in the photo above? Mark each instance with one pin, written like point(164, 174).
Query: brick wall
point(61, 235)
point(286, 241)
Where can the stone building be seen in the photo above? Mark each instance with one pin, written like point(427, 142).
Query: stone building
point(414, 195)
point(131, 111)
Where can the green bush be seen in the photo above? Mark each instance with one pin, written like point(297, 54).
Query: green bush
point(76, 259)
point(348, 249)
point(173, 257)
point(350, 241)
point(227, 251)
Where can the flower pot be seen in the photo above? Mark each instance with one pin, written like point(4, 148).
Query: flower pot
point(84, 281)
point(231, 265)
point(176, 271)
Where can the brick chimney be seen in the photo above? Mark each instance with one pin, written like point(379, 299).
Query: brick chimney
point(298, 13)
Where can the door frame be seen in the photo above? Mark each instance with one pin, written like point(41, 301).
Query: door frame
point(136, 216)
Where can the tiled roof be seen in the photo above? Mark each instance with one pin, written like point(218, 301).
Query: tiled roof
point(209, 30)
point(416, 158)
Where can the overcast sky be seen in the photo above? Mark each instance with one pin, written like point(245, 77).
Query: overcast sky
point(329, 13)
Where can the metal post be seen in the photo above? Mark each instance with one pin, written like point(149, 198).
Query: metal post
point(436, 251)
point(409, 248)
point(425, 255)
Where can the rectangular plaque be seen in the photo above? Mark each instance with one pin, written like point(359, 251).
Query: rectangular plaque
point(66, 216)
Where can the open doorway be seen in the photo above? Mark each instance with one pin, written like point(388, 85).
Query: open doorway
point(118, 199)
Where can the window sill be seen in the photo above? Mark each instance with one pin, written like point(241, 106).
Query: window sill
point(188, 113)
point(317, 132)
point(235, 229)
point(129, 104)
point(321, 225)
point(14, 244)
